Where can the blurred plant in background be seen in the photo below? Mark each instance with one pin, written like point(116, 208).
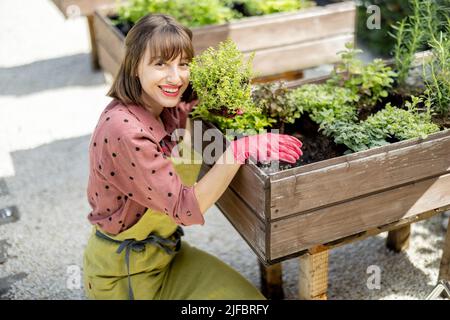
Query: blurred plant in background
point(392, 12)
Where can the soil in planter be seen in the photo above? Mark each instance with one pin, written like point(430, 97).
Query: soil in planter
point(124, 27)
point(316, 146)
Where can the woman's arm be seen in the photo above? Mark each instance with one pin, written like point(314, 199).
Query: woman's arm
point(262, 147)
point(211, 187)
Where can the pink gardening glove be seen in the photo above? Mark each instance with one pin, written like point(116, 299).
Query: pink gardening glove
point(267, 147)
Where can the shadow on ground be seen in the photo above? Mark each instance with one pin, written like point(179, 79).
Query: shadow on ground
point(69, 71)
point(49, 189)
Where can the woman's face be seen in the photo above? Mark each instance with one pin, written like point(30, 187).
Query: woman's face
point(163, 82)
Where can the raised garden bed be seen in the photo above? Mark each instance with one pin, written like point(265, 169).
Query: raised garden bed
point(333, 199)
point(314, 34)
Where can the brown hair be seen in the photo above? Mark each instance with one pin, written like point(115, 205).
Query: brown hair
point(166, 38)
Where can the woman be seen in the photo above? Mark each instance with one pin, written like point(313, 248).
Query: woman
point(140, 196)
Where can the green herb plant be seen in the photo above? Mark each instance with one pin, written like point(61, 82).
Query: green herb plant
point(196, 13)
point(221, 78)
point(262, 7)
point(418, 31)
point(273, 99)
point(192, 13)
point(336, 104)
point(370, 82)
point(438, 80)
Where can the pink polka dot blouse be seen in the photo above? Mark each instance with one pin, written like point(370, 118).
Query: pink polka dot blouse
point(130, 170)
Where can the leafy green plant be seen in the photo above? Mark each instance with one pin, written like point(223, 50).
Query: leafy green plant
point(371, 82)
point(418, 31)
point(390, 123)
point(391, 11)
point(248, 123)
point(196, 13)
point(325, 102)
point(410, 36)
point(192, 13)
point(221, 78)
point(262, 7)
point(438, 81)
point(335, 110)
point(402, 124)
point(273, 99)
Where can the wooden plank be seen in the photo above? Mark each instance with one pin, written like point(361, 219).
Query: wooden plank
point(84, 7)
point(356, 177)
point(107, 63)
point(275, 30)
point(94, 52)
point(368, 233)
point(299, 56)
point(249, 226)
point(271, 281)
point(444, 269)
point(398, 239)
point(300, 232)
point(313, 275)
point(109, 37)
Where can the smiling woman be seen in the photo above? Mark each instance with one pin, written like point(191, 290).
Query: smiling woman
point(140, 196)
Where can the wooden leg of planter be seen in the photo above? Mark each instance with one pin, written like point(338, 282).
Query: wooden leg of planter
point(444, 270)
point(94, 54)
point(398, 239)
point(271, 281)
point(313, 276)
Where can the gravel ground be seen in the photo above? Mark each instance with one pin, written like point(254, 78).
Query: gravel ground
point(49, 103)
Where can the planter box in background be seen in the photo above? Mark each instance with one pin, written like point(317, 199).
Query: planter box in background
point(81, 7)
point(283, 42)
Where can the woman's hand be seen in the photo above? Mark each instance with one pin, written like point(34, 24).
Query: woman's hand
point(262, 147)
point(267, 147)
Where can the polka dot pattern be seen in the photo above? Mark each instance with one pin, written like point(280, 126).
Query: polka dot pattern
point(137, 172)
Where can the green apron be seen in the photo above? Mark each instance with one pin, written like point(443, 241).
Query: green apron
point(156, 271)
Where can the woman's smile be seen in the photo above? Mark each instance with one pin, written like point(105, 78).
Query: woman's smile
point(170, 91)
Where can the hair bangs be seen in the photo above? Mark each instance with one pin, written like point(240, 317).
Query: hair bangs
point(169, 43)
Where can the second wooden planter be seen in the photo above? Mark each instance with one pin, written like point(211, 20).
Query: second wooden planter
point(283, 42)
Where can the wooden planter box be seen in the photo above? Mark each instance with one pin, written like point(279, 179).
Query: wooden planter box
point(307, 210)
point(283, 214)
point(283, 42)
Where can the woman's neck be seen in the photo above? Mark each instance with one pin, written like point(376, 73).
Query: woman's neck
point(155, 110)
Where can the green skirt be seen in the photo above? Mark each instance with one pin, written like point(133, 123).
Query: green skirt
point(188, 274)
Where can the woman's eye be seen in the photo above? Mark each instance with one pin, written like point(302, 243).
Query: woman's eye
point(159, 63)
point(184, 64)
